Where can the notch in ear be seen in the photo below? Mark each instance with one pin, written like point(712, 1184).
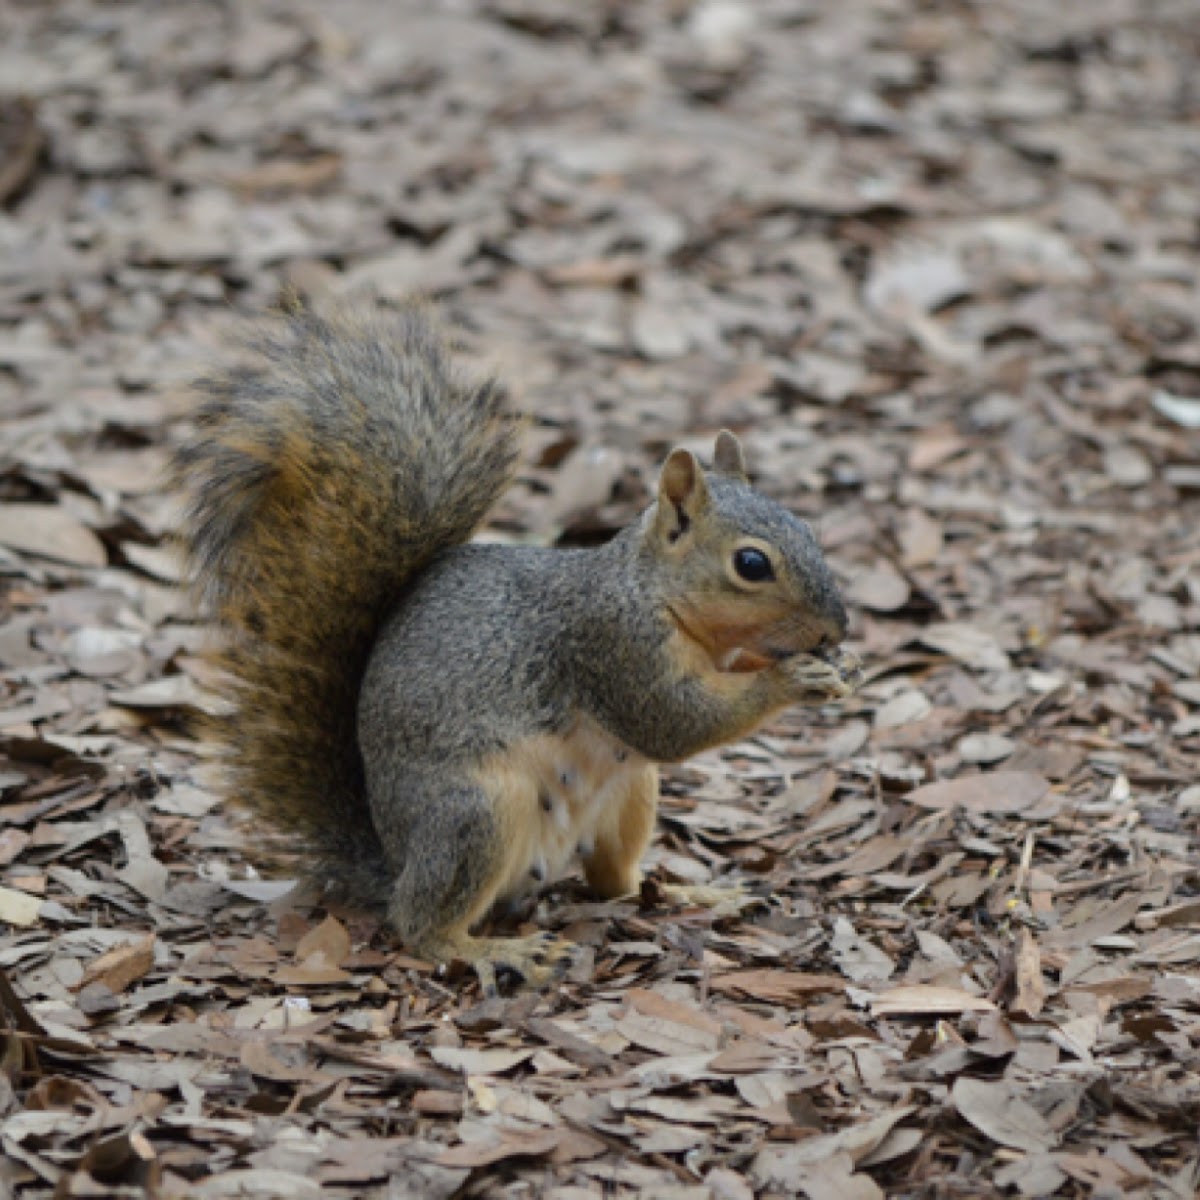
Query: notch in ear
point(682, 494)
point(728, 457)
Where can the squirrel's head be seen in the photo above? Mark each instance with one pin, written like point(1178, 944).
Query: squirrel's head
point(742, 576)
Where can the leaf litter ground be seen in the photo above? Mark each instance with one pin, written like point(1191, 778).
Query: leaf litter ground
point(937, 264)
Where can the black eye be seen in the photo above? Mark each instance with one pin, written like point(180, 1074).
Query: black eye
point(752, 565)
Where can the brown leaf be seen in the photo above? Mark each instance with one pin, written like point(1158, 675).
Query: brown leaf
point(534, 1144)
point(972, 645)
point(287, 175)
point(494, 1061)
point(48, 532)
point(774, 1166)
point(654, 1004)
point(122, 965)
point(266, 1062)
point(171, 691)
point(745, 1056)
point(319, 955)
point(999, 1111)
point(330, 941)
point(569, 1044)
point(920, 538)
point(928, 998)
point(664, 1036)
point(437, 1103)
point(1031, 986)
point(1108, 920)
point(882, 589)
point(870, 857)
point(774, 986)
point(993, 792)
point(1120, 990)
point(21, 144)
point(19, 908)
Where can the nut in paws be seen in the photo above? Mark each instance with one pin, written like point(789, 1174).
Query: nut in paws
point(827, 675)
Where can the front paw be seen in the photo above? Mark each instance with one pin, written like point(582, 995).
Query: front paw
point(532, 962)
point(827, 676)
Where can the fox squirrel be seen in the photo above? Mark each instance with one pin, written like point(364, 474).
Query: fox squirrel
point(447, 725)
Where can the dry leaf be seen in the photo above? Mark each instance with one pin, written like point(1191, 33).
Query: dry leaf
point(773, 1166)
point(329, 941)
point(48, 532)
point(777, 987)
point(995, 792)
point(882, 589)
point(1031, 986)
point(479, 1062)
point(1000, 1112)
point(969, 644)
point(928, 998)
point(535, 1143)
point(985, 747)
point(122, 965)
point(19, 908)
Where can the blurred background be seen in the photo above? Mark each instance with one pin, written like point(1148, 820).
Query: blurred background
point(935, 262)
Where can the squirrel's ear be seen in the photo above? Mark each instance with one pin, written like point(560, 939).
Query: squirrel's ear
point(682, 494)
point(728, 457)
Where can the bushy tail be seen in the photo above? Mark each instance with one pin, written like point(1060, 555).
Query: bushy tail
point(326, 469)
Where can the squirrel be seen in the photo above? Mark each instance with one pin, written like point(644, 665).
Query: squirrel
point(447, 724)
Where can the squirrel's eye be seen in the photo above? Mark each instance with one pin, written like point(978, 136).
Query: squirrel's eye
point(752, 565)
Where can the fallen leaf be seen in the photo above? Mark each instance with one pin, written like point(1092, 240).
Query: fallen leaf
point(969, 644)
point(920, 537)
point(999, 1111)
point(664, 1036)
point(985, 747)
point(1183, 410)
point(479, 1062)
point(882, 589)
point(122, 965)
point(1110, 919)
point(928, 999)
point(992, 792)
point(287, 175)
point(142, 871)
point(328, 941)
point(48, 532)
point(171, 691)
point(267, 1063)
point(774, 1166)
point(773, 986)
point(1031, 986)
point(905, 709)
point(534, 1144)
point(19, 908)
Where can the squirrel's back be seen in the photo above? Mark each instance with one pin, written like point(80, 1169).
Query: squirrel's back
point(325, 470)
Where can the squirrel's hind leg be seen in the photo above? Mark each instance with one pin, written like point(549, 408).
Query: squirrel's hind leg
point(613, 868)
point(461, 859)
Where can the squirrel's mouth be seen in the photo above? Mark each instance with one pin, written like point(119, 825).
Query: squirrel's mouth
point(737, 648)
